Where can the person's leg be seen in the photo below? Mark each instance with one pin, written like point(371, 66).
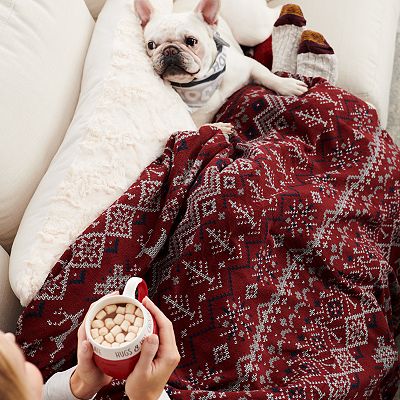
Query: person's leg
point(316, 57)
point(286, 36)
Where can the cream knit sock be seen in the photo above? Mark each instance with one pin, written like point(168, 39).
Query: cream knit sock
point(286, 36)
point(316, 57)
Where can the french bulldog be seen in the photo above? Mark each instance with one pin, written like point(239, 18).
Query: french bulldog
point(196, 53)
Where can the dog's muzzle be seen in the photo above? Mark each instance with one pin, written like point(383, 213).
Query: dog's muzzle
point(172, 61)
point(171, 51)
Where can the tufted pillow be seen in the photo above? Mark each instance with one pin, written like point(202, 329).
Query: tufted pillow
point(124, 116)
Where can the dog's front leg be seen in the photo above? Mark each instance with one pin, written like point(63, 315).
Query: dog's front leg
point(206, 114)
point(201, 119)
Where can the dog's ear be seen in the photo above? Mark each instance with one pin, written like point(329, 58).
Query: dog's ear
point(209, 9)
point(144, 10)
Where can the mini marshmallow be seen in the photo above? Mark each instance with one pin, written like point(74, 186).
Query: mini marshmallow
point(110, 308)
point(116, 330)
point(139, 312)
point(97, 323)
point(99, 340)
point(118, 319)
point(110, 338)
point(130, 318)
point(120, 338)
point(125, 325)
point(130, 308)
point(103, 331)
point(120, 310)
point(115, 344)
point(94, 333)
point(106, 344)
point(109, 323)
point(101, 314)
point(138, 322)
point(134, 329)
point(130, 336)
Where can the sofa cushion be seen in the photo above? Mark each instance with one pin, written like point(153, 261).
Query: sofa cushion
point(9, 305)
point(363, 34)
point(95, 7)
point(124, 116)
point(43, 45)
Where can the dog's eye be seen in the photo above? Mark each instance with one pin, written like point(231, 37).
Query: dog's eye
point(191, 41)
point(151, 45)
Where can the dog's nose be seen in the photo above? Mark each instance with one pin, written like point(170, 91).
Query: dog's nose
point(170, 51)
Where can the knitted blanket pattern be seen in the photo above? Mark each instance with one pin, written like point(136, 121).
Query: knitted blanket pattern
point(274, 251)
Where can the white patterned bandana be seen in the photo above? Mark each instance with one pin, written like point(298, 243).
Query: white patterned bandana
point(197, 92)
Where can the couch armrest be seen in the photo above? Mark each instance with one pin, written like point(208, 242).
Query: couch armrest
point(9, 304)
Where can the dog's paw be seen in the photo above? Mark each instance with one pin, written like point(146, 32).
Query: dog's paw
point(291, 87)
point(226, 128)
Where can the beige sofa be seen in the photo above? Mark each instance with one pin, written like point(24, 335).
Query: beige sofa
point(43, 48)
point(42, 55)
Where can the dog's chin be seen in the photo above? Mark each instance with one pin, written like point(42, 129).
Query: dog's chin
point(174, 73)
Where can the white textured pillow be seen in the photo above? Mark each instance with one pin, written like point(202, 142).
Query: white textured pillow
point(43, 45)
point(124, 116)
point(362, 33)
point(251, 21)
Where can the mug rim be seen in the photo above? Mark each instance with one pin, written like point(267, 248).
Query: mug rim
point(103, 302)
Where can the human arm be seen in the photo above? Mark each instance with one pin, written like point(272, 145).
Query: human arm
point(83, 381)
point(58, 387)
point(80, 382)
point(87, 379)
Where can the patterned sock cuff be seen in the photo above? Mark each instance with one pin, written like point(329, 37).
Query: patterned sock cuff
point(291, 14)
point(316, 57)
point(314, 42)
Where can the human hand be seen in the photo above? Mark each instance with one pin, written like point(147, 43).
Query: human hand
point(87, 378)
point(158, 359)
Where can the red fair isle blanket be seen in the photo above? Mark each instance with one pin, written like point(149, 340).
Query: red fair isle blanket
point(274, 251)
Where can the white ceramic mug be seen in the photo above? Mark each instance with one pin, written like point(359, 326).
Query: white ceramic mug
point(119, 362)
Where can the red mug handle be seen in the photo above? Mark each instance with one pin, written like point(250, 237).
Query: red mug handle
point(138, 284)
point(134, 284)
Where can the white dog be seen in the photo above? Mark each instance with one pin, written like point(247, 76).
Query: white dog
point(195, 51)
